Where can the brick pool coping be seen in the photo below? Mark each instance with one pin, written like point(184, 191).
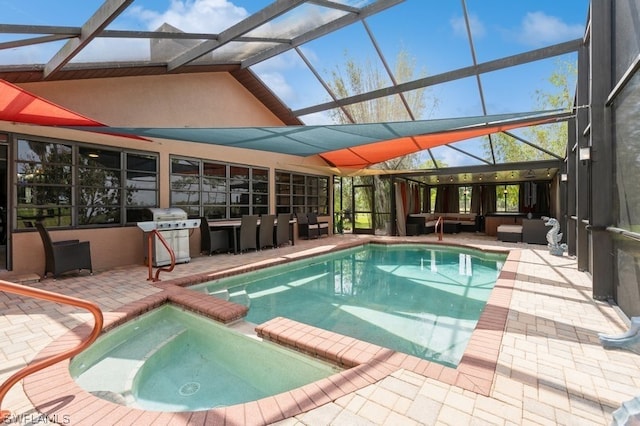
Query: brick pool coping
point(54, 392)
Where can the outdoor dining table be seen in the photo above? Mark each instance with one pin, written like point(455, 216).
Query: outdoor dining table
point(233, 226)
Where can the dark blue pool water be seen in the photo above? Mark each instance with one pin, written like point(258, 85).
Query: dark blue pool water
point(417, 299)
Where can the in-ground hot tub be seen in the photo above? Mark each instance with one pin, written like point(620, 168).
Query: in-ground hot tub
point(173, 360)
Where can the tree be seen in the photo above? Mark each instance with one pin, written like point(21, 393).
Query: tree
point(354, 79)
point(551, 137)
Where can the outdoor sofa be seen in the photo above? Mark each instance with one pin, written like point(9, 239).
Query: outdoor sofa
point(453, 222)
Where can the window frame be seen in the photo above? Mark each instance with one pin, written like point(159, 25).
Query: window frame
point(305, 193)
point(68, 213)
point(248, 197)
point(464, 198)
point(508, 192)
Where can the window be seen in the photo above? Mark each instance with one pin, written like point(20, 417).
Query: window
point(507, 197)
point(301, 193)
point(99, 189)
point(44, 183)
point(215, 187)
point(433, 193)
point(185, 185)
point(65, 184)
point(218, 190)
point(464, 193)
point(141, 185)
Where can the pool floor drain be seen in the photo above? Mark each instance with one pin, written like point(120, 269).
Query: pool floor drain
point(189, 388)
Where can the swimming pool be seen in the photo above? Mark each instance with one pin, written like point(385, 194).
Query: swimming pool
point(423, 300)
point(173, 360)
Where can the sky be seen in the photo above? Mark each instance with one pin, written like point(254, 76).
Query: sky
point(431, 32)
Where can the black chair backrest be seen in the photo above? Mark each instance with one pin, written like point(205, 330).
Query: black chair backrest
point(205, 234)
point(302, 218)
point(48, 247)
point(282, 229)
point(266, 230)
point(248, 231)
point(46, 239)
point(312, 218)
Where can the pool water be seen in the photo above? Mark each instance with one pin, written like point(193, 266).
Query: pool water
point(174, 360)
point(417, 299)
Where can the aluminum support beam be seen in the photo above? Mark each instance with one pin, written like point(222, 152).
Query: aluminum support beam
point(328, 28)
point(107, 12)
point(602, 189)
point(252, 22)
point(581, 174)
point(498, 64)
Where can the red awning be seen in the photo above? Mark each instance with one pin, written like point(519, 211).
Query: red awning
point(20, 106)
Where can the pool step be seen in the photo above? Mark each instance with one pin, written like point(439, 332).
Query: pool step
point(120, 364)
point(131, 380)
point(239, 295)
point(220, 294)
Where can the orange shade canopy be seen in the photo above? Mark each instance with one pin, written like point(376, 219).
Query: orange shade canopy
point(366, 155)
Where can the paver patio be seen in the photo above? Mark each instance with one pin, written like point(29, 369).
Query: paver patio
point(550, 368)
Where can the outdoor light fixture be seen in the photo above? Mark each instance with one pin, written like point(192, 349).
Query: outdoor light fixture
point(585, 154)
point(564, 177)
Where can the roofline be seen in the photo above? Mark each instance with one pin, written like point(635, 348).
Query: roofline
point(19, 74)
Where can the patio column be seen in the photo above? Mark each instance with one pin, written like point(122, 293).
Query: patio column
point(601, 257)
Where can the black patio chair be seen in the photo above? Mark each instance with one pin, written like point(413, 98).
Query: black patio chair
point(304, 229)
point(248, 232)
point(265, 236)
point(282, 229)
point(64, 256)
point(212, 240)
point(321, 226)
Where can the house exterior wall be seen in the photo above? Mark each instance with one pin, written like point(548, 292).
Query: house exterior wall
point(166, 101)
point(180, 100)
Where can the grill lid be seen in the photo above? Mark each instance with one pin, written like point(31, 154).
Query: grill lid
point(173, 213)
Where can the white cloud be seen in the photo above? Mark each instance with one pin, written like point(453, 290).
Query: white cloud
point(540, 29)
point(317, 119)
point(278, 84)
point(109, 49)
point(206, 16)
point(450, 157)
point(460, 28)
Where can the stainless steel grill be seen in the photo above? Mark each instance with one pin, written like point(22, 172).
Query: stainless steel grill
point(174, 225)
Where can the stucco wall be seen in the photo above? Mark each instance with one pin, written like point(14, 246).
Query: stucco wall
point(180, 100)
point(193, 100)
point(110, 247)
